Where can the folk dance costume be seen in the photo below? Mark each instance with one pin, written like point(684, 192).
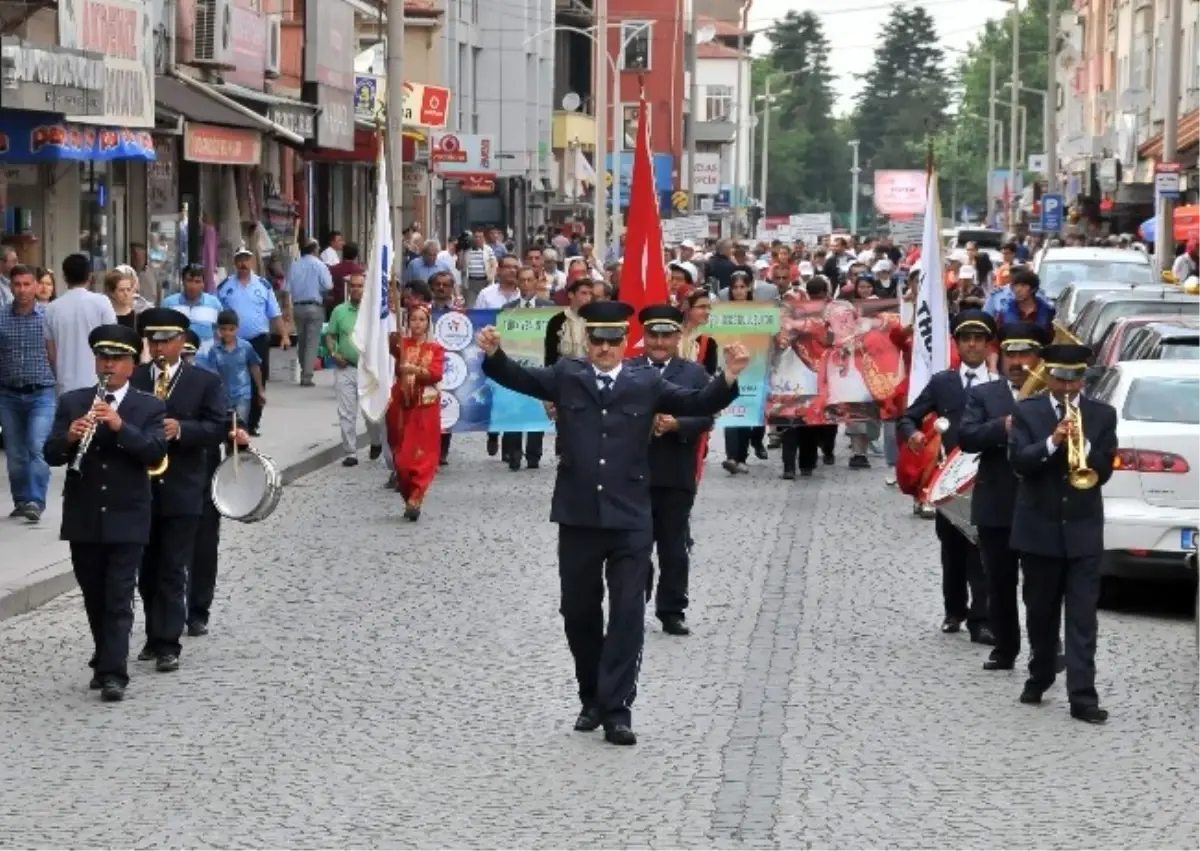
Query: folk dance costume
point(414, 416)
point(106, 498)
point(605, 416)
point(196, 426)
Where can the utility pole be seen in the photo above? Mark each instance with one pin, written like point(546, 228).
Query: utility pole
point(739, 109)
point(1050, 109)
point(1164, 225)
point(766, 141)
point(689, 126)
point(1014, 104)
point(395, 121)
point(854, 173)
point(600, 102)
point(991, 151)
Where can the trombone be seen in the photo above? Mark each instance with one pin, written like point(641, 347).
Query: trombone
point(162, 389)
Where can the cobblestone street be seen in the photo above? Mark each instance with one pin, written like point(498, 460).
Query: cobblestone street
point(370, 682)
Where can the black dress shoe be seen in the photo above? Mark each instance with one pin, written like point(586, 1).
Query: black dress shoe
point(675, 625)
point(112, 691)
point(166, 664)
point(349, 461)
point(146, 654)
point(829, 459)
point(951, 625)
point(376, 451)
point(493, 446)
point(983, 635)
point(1060, 663)
point(533, 463)
point(1089, 714)
point(619, 734)
point(760, 452)
point(95, 684)
point(197, 628)
point(806, 473)
point(514, 462)
point(1030, 696)
point(788, 475)
point(998, 665)
point(588, 720)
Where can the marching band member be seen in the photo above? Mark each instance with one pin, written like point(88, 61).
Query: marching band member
point(674, 457)
point(986, 423)
point(191, 346)
point(601, 497)
point(1062, 446)
point(111, 435)
point(946, 395)
point(195, 422)
point(414, 417)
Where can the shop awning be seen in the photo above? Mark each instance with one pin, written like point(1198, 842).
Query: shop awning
point(38, 137)
point(1187, 137)
point(202, 103)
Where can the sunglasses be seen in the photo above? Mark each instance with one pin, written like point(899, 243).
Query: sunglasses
point(604, 341)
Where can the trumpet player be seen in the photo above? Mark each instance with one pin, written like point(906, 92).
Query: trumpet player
point(1062, 446)
point(195, 425)
point(111, 436)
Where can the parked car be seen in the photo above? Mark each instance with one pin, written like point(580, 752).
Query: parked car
point(1076, 295)
point(1151, 502)
point(1094, 323)
point(1109, 352)
point(1178, 339)
point(1058, 267)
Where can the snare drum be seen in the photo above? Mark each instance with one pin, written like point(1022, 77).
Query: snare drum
point(247, 488)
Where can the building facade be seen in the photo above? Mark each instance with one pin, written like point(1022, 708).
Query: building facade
point(725, 126)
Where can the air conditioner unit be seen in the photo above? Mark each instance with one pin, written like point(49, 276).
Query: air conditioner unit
point(213, 45)
point(274, 35)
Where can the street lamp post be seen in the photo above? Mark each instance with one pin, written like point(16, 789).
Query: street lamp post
point(768, 97)
point(855, 171)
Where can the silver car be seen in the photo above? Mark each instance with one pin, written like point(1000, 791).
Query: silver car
point(1058, 267)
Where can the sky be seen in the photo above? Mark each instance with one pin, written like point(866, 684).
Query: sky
point(853, 28)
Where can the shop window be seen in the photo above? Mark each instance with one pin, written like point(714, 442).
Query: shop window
point(94, 232)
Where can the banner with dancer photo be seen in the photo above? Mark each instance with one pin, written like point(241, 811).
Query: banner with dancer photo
point(836, 362)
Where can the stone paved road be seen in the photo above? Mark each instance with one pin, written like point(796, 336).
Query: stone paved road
point(373, 683)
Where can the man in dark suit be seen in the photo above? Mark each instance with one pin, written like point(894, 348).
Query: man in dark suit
point(1058, 524)
point(195, 425)
point(106, 502)
point(946, 396)
point(984, 429)
point(606, 411)
point(510, 442)
point(674, 455)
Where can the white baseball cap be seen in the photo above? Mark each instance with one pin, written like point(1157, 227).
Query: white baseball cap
point(688, 244)
point(687, 268)
point(882, 266)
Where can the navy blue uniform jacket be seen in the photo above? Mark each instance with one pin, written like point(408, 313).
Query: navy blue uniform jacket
point(943, 395)
point(109, 501)
point(1051, 518)
point(982, 430)
point(604, 467)
point(675, 455)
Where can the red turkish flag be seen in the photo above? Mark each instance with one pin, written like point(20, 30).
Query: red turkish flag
point(644, 274)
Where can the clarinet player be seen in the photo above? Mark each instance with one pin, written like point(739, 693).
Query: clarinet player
point(111, 436)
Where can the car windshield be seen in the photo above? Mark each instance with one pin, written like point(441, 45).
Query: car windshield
point(1164, 400)
point(1056, 274)
point(1181, 350)
point(1108, 315)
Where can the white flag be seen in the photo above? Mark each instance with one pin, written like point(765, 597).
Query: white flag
point(376, 367)
point(931, 323)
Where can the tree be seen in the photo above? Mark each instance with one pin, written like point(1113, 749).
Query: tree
point(808, 155)
point(905, 93)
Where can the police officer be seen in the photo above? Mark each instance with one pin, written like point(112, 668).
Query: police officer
point(946, 396)
point(195, 424)
point(985, 427)
point(606, 418)
point(674, 456)
point(106, 502)
point(1058, 524)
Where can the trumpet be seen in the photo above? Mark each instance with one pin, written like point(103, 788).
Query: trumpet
point(1079, 474)
point(85, 442)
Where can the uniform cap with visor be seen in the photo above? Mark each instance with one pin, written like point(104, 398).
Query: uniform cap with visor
point(115, 341)
point(606, 320)
point(162, 323)
point(1066, 361)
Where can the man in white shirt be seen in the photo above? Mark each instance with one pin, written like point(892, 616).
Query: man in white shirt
point(479, 267)
point(332, 255)
point(70, 318)
point(497, 295)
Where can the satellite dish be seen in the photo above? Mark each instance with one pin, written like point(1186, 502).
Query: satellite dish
point(706, 34)
point(571, 101)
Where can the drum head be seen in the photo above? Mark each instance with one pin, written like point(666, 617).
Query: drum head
point(239, 487)
point(956, 476)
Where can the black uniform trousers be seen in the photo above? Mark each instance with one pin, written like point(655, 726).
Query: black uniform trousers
point(757, 433)
point(163, 581)
point(262, 347)
point(671, 511)
point(107, 575)
point(737, 444)
point(606, 665)
point(801, 446)
point(1002, 566)
point(1049, 583)
point(962, 572)
point(202, 578)
point(510, 445)
point(826, 438)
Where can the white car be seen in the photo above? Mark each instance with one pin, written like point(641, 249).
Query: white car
point(1152, 502)
point(1057, 267)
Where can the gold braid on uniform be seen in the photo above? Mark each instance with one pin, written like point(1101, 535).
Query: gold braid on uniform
point(572, 337)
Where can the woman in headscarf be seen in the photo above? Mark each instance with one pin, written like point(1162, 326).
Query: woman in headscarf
point(414, 417)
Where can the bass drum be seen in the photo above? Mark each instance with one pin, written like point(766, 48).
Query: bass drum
point(247, 488)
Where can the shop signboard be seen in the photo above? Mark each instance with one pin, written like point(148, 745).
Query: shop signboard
point(212, 145)
point(329, 43)
point(47, 78)
point(121, 30)
point(335, 116)
point(25, 138)
point(900, 193)
point(461, 154)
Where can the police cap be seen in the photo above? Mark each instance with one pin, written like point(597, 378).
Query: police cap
point(115, 341)
point(661, 319)
point(974, 322)
point(1023, 337)
point(162, 323)
point(606, 320)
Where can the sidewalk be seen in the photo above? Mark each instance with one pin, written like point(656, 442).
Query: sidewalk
point(300, 434)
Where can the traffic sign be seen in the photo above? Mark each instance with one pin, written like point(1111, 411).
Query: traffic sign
point(1166, 180)
point(679, 199)
point(1052, 213)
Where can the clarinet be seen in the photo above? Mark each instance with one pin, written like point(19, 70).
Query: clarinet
point(76, 464)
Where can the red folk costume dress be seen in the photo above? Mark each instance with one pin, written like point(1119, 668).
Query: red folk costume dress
point(414, 417)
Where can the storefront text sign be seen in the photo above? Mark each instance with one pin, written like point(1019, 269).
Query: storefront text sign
point(335, 116)
point(52, 79)
point(205, 143)
point(121, 31)
point(461, 154)
point(296, 119)
point(424, 106)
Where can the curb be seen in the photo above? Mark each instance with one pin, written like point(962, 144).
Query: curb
point(57, 579)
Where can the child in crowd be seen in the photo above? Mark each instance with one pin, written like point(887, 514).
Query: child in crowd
point(238, 364)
